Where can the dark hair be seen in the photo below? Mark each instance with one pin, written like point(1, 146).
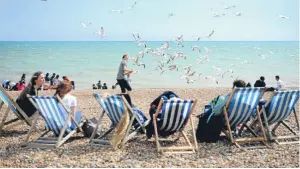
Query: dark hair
point(64, 77)
point(104, 84)
point(34, 77)
point(248, 84)
point(262, 78)
point(277, 77)
point(57, 76)
point(124, 56)
point(47, 74)
point(239, 83)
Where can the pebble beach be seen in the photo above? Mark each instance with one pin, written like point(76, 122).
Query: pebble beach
point(140, 152)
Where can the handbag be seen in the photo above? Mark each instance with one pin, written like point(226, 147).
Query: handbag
point(89, 126)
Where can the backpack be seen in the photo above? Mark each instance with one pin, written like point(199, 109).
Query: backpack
point(211, 122)
point(209, 131)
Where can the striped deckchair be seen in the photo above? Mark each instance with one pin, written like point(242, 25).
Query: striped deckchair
point(278, 109)
point(114, 107)
point(58, 120)
point(174, 117)
point(21, 116)
point(241, 105)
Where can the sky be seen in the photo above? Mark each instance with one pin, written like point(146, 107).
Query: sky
point(59, 20)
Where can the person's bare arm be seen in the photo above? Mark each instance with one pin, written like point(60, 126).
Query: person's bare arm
point(127, 71)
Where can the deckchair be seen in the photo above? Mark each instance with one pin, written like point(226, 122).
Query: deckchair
point(114, 107)
point(59, 121)
point(21, 116)
point(175, 114)
point(278, 109)
point(241, 105)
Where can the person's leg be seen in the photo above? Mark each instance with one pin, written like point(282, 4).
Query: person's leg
point(127, 86)
point(122, 85)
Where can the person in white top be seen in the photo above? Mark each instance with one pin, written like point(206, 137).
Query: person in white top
point(280, 84)
point(70, 102)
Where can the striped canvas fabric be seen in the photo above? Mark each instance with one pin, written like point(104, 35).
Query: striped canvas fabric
point(175, 114)
point(244, 102)
point(282, 105)
point(53, 113)
point(113, 107)
point(8, 102)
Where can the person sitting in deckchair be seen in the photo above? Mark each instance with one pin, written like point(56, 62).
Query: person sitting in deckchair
point(63, 90)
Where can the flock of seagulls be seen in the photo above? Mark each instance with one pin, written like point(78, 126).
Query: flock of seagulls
point(169, 58)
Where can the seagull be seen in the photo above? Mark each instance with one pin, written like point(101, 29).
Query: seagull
point(165, 46)
point(228, 7)
point(188, 81)
point(210, 78)
point(218, 15)
point(218, 70)
point(130, 8)
point(173, 67)
point(100, 32)
point(142, 44)
point(238, 14)
point(137, 37)
point(211, 34)
point(136, 62)
point(284, 17)
point(244, 62)
point(195, 47)
point(228, 70)
point(116, 10)
point(83, 25)
point(171, 14)
point(140, 54)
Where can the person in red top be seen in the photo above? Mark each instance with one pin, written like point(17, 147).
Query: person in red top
point(21, 85)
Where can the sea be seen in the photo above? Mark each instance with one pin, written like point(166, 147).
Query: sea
point(87, 62)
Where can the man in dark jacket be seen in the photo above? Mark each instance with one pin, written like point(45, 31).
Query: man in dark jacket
point(260, 82)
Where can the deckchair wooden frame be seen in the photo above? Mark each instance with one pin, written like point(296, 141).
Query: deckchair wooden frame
point(99, 141)
point(236, 141)
point(270, 133)
point(16, 121)
point(176, 149)
point(51, 142)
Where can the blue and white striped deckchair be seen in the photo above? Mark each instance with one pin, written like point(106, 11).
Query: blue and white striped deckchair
point(12, 106)
point(174, 116)
point(241, 105)
point(279, 108)
point(58, 120)
point(114, 107)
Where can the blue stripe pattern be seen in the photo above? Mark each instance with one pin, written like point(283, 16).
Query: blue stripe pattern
point(244, 102)
point(53, 113)
point(175, 114)
point(281, 105)
point(8, 102)
point(113, 107)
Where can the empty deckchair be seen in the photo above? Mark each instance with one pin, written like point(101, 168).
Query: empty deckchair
point(278, 109)
point(114, 107)
point(175, 114)
point(238, 110)
point(59, 121)
point(21, 116)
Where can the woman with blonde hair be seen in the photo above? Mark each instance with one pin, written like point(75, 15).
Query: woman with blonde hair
point(63, 90)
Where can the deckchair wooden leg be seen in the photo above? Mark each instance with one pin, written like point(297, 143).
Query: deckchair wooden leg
point(31, 128)
point(194, 134)
point(266, 123)
point(228, 125)
point(62, 131)
point(275, 127)
point(296, 118)
point(97, 126)
point(125, 139)
point(187, 140)
point(288, 127)
point(260, 124)
point(156, 133)
point(4, 119)
point(1, 104)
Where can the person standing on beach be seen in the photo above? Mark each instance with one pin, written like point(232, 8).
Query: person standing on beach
point(280, 84)
point(123, 70)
